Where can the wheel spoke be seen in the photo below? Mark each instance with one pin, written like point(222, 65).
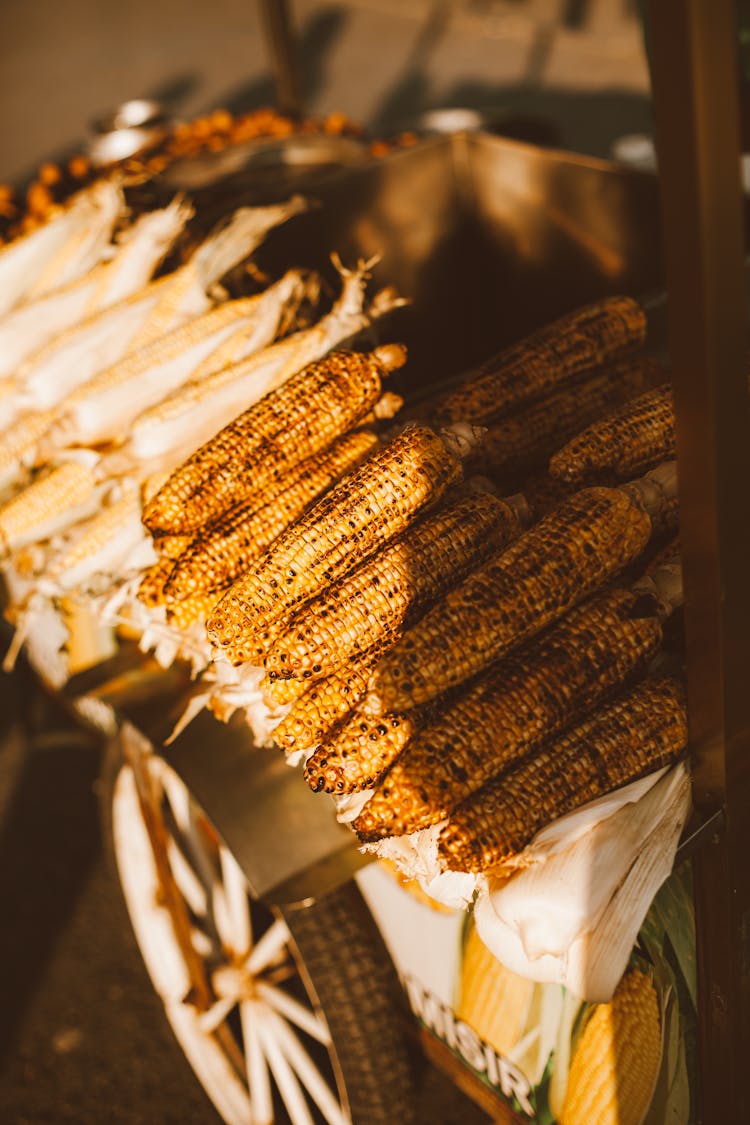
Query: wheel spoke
point(190, 886)
point(269, 948)
point(258, 1077)
point(216, 1014)
point(191, 839)
point(286, 1080)
point(312, 1079)
point(292, 1010)
point(231, 905)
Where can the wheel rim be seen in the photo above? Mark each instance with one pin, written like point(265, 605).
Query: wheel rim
point(234, 990)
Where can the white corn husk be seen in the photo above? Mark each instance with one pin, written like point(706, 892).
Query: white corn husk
point(191, 417)
point(56, 369)
point(138, 253)
point(100, 409)
point(572, 915)
point(65, 247)
point(19, 443)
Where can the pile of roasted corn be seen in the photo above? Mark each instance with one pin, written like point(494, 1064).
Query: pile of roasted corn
point(470, 656)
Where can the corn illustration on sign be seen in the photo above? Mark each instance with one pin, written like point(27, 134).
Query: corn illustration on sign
point(549, 1056)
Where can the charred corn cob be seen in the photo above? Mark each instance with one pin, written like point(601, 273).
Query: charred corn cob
point(552, 357)
point(151, 588)
point(49, 504)
point(196, 608)
point(617, 1058)
point(629, 440)
point(172, 546)
point(359, 515)
point(528, 697)
point(287, 426)
point(526, 439)
point(357, 755)
point(636, 734)
point(325, 703)
point(543, 574)
point(225, 550)
point(371, 605)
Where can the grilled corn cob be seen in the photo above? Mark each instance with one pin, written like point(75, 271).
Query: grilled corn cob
point(525, 440)
point(357, 755)
point(554, 356)
point(617, 1058)
point(182, 614)
point(172, 546)
point(543, 574)
point(47, 505)
point(636, 734)
point(151, 588)
point(325, 703)
point(527, 697)
point(372, 604)
point(220, 554)
point(629, 440)
point(287, 426)
point(353, 520)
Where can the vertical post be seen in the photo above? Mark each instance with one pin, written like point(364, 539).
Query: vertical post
point(696, 101)
point(283, 56)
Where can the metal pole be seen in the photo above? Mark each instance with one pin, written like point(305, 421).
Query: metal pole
point(277, 25)
point(695, 86)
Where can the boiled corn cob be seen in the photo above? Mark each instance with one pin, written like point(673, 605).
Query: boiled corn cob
point(325, 703)
point(100, 542)
point(19, 443)
point(72, 241)
point(287, 426)
point(496, 1002)
point(527, 697)
point(525, 439)
point(617, 1058)
point(138, 252)
point(552, 357)
point(192, 415)
point(543, 574)
point(353, 520)
point(639, 732)
point(373, 603)
point(49, 504)
point(219, 555)
point(110, 400)
point(629, 440)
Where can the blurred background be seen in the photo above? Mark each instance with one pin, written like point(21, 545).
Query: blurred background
point(82, 1037)
point(578, 63)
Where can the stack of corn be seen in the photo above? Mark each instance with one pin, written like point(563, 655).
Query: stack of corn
point(68, 408)
point(400, 683)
